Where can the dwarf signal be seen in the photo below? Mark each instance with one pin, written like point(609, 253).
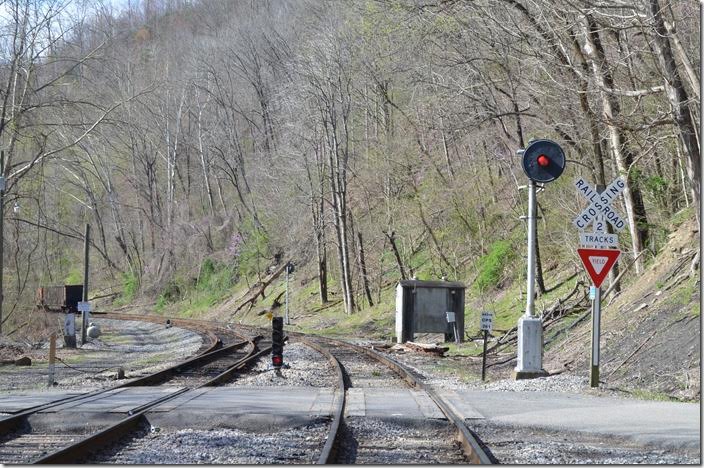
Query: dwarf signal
point(277, 342)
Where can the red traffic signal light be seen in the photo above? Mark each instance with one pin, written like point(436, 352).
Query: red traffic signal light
point(543, 161)
point(277, 361)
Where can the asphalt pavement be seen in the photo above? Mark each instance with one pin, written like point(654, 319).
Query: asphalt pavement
point(670, 425)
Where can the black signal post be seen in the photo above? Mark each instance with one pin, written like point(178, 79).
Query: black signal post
point(277, 342)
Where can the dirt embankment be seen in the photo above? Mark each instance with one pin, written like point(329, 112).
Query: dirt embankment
point(651, 331)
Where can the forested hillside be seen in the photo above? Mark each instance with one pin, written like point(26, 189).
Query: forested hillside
point(208, 142)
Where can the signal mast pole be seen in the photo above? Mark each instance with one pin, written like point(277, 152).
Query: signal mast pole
point(543, 161)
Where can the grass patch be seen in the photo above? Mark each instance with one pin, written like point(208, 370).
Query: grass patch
point(74, 277)
point(191, 297)
point(687, 295)
point(130, 286)
point(491, 266)
point(652, 396)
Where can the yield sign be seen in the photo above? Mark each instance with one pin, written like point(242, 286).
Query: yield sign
point(598, 262)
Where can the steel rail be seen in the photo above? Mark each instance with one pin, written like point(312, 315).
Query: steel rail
point(212, 352)
point(166, 374)
point(328, 453)
point(236, 367)
point(11, 423)
point(89, 444)
point(472, 448)
point(72, 453)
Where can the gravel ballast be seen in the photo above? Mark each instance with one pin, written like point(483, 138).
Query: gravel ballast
point(298, 445)
point(399, 441)
point(305, 367)
point(521, 445)
point(137, 347)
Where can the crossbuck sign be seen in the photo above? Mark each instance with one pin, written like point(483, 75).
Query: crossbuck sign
point(599, 208)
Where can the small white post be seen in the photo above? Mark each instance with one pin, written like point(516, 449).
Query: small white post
point(286, 321)
point(52, 358)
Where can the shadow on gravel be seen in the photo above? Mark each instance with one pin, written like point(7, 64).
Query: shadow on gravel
point(484, 447)
point(346, 446)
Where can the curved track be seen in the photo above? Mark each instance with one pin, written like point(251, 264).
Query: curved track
point(20, 442)
point(354, 367)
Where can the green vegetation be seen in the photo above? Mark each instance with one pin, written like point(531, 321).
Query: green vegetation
point(75, 276)
point(491, 266)
point(686, 295)
point(130, 286)
point(190, 297)
point(651, 395)
point(681, 216)
point(254, 251)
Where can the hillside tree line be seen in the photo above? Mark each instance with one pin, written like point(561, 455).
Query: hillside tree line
point(368, 140)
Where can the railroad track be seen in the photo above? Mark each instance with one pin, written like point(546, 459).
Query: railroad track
point(122, 437)
point(356, 440)
point(30, 437)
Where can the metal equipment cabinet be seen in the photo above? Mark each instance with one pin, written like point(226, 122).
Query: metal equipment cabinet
point(60, 298)
point(421, 307)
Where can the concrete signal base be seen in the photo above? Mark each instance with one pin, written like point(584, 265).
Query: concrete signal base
point(530, 349)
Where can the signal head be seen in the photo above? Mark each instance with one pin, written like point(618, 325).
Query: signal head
point(543, 161)
point(277, 360)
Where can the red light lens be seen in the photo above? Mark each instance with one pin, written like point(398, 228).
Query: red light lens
point(277, 360)
point(543, 160)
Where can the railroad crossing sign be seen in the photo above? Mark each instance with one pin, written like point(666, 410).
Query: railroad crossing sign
point(598, 262)
point(597, 254)
point(599, 208)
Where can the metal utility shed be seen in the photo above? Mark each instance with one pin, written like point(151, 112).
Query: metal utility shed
point(421, 307)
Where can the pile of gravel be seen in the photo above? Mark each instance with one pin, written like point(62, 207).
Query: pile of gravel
point(555, 383)
point(305, 368)
point(300, 445)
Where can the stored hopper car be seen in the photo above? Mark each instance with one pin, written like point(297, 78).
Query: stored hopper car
point(60, 298)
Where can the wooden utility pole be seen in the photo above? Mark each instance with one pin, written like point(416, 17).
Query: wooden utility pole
point(84, 314)
point(2, 216)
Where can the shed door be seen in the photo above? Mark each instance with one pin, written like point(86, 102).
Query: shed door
point(431, 306)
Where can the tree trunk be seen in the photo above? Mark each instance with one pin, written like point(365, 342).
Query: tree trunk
point(338, 184)
point(635, 209)
point(392, 240)
point(678, 98)
point(322, 271)
point(363, 269)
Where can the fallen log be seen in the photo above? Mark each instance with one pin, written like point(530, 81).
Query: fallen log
point(260, 290)
point(426, 348)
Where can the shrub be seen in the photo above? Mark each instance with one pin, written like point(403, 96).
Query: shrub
point(130, 286)
point(254, 248)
